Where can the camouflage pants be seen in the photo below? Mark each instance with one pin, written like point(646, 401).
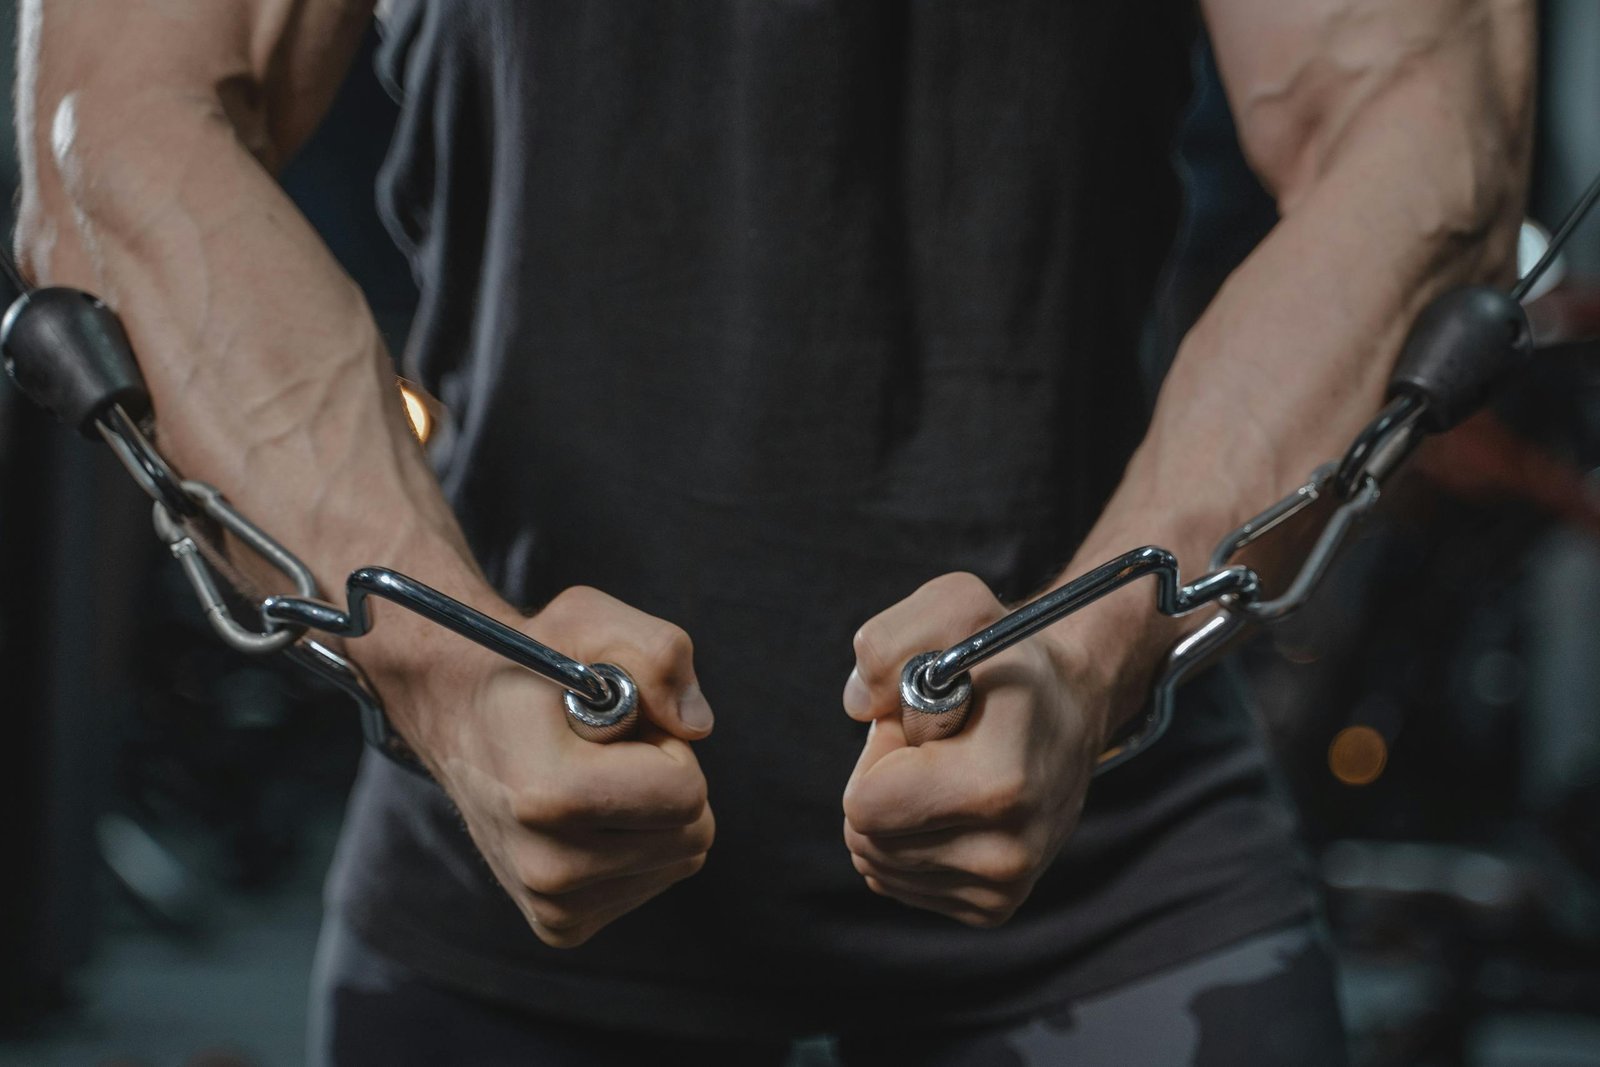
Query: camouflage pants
point(1267, 1000)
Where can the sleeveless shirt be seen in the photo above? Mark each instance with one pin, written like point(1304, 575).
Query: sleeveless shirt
point(758, 315)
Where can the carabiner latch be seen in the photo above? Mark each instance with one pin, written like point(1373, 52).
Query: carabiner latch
point(186, 550)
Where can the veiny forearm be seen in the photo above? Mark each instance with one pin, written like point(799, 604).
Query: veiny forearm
point(1410, 183)
point(269, 379)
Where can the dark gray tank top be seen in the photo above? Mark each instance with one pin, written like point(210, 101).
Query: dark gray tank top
point(757, 316)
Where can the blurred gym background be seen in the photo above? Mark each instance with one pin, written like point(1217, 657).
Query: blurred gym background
point(169, 806)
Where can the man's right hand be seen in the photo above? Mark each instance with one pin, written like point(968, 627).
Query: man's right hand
point(578, 833)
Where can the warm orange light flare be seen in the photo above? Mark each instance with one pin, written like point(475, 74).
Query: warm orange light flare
point(417, 412)
point(1358, 755)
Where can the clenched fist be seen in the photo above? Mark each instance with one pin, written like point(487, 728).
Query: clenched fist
point(578, 833)
point(966, 825)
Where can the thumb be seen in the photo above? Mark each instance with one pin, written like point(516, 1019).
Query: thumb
point(684, 714)
point(868, 702)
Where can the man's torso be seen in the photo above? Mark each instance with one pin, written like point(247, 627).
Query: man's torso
point(757, 316)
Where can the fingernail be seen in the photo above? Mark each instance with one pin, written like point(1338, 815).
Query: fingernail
point(694, 710)
point(857, 698)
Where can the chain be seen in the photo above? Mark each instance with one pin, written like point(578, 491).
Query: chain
point(1457, 350)
point(936, 688)
point(600, 699)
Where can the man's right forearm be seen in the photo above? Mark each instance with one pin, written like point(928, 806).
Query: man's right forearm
point(149, 131)
point(145, 154)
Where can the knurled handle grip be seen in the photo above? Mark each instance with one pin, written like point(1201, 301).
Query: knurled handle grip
point(927, 714)
point(618, 721)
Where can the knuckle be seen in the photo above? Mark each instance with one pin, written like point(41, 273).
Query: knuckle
point(1004, 798)
point(868, 645)
point(574, 600)
point(861, 813)
point(686, 800)
point(546, 806)
point(986, 919)
point(702, 836)
point(550, 916)
point(1005, 865)
point(570, 935)
point(962, 587)
point(548, 874)
point(994, 901)
point(669, 645)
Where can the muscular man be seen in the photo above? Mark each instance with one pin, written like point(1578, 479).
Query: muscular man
point(809, 327)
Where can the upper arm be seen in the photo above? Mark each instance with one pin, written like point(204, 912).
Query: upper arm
point(101, 83)
point(269, 68)
point(1306, 79)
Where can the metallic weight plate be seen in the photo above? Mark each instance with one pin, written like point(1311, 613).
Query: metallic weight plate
point(617, 722)
point(929, 716)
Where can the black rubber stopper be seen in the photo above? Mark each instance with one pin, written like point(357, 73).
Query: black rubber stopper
point(69, 353)
point(1459, 347)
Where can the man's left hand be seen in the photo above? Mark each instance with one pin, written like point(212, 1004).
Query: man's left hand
point(965, 826)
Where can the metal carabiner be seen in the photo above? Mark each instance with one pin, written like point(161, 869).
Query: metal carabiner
point(206, 501)
point(1356, 480)
point(1317, 562)
point(936, 688)
point(1259, 525)
point(1381, 445)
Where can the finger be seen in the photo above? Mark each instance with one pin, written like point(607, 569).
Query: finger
point(577, 936)
point(883, 737)
point(954, 890)
point(963, 913)
point(940, 613)
point(900, 794)
point(956, 783)
point(623, 786)
point(568, 924)
point(565, 911)
point(991, 858)
point(658, 655)
point(570, 861)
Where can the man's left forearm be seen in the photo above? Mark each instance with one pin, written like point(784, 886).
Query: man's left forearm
point(1422, 191)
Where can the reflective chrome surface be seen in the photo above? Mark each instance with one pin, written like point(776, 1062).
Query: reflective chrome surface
point(944, 671)
point(1387, 440)
point(1317, 562)
point(148, 467)
point(1172, 598)
point(356, 621)
point(1184, 659)
point(181, 542)
point(376, 729)
point(613, 722)
point(611, 712)
point(1380, 447)
point(926, 713)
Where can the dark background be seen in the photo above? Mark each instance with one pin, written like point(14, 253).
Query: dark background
point(169, 807)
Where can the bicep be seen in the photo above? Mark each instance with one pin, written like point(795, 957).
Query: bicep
point(269, 68)
point(1307, 78)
